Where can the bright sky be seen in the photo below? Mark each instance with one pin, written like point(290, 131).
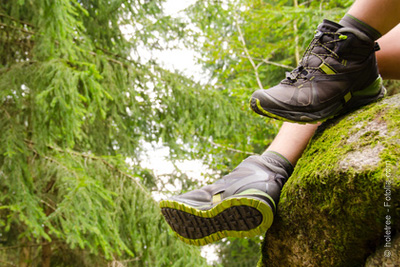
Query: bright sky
point(183, 60)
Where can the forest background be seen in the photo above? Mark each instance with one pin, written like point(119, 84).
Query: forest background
point(80, 102)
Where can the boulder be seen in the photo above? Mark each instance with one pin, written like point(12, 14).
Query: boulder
point(386, 256)
point(342, 203)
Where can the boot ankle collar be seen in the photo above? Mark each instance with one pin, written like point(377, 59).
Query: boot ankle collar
point(286, 164)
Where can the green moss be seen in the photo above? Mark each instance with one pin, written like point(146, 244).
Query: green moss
point(332, 206)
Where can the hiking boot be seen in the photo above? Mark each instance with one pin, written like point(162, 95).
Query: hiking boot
point(241, 204)
point(338, 73)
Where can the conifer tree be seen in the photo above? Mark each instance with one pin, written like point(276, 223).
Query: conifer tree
point(248, 45)
point(76, 100)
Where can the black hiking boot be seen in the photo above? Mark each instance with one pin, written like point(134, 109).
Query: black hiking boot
point(241, 204)
point(338, 73)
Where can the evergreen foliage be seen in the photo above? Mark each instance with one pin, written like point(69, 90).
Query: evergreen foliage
point(250, 44)
point(240, 252)
point(77, 99)
point(78, 96)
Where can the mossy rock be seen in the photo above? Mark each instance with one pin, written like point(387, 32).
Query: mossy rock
point(334, 208)
point(385, 255)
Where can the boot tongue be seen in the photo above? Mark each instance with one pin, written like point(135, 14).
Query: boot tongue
point(326, 26)
point(329, 26)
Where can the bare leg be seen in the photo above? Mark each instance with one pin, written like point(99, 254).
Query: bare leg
point(389, 56)
point(382, 15)
point(292, 139)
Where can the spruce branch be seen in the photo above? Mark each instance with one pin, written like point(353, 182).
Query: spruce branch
point(86, 156)
point(58, 163)
point(227, 148)
point(116, 56)
point(16, 20)
point(16, 28)
point(109, 59)
point(112, 167)
point(112, 57)
point(117, 263)
point(47, 204)
point(266, 61)
point(30, 245)
point(7, 263)
point(16, 66)
point(277, 64)
point(6, 112)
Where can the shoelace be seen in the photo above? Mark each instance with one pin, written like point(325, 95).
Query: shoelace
point(301, 71)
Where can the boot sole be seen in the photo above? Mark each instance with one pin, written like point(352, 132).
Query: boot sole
point(237, 216)
point(356, 101)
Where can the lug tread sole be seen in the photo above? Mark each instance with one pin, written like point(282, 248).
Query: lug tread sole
point(233, 217)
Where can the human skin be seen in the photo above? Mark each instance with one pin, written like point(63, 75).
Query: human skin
point(382, 15)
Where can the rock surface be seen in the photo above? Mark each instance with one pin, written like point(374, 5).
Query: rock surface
point(386, 256)
point(342, 203)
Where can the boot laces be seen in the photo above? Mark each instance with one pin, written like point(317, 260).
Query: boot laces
point(304, 69)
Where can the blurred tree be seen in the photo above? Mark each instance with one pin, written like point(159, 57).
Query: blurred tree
point(247, 45)
point(77, 98)
point(79, 94)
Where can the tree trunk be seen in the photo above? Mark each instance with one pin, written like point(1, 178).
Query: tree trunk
point(46, 248)
point(25, 254)
point(46, 255)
